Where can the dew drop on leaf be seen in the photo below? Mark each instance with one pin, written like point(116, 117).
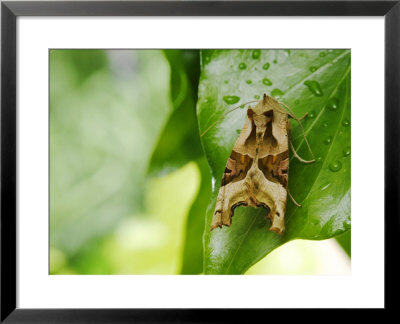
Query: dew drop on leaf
point(346, 122)
point(230, 100)
point(256, 54)
point(248, 81)
point(242, 66)
point(328, 140)
point(313, 68)
point(319, 159)
point(324, 186)
point(276, 93)
point(346, 151)
point(266, 66)
point(311, 114)
point(333, 104)
point(314, 87)
point(275, 61)
point(226, 81)
point(325, 124)
point(267, 82)
point(335, 166)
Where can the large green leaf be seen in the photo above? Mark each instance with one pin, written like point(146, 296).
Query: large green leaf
point(313, 81)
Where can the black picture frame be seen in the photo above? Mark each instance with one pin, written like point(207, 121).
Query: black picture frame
point(10, 10)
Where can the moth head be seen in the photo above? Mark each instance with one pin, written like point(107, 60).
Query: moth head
point(260, 118)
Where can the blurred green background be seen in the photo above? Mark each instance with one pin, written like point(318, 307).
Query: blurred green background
point(129, 185)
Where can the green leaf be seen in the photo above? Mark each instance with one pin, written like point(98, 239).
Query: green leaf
point(192, 262)
point(179, 142)
point(102, 131)
point(313, 81)
point(344, 241)
point(84, 63)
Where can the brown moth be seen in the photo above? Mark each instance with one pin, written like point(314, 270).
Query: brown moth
point(257, 171)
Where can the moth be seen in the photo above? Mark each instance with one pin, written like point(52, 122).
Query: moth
point(257, 171)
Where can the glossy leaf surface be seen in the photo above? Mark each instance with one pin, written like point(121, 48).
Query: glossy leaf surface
point(316, 82)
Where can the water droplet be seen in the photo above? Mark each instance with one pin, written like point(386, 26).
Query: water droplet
point(256, 97)
point(311, 114)
point(256, 54)
point(325, 124)
point(325, 186)
point(207, 59)
point(266, 66)
point(242, 66)
point(328, 140)
point(275, 61)
point(313, 69)
point(267, 82)
point(276, 93)
point(296, 102)
point(314, 87)
point(238, 131)
point(230, 100)
point(346, 122)
point(322, 54)
point(226, 81)
point(319, 158)
point(346, 151)
point(248, 81)
point(333, 104)
point(335, 166)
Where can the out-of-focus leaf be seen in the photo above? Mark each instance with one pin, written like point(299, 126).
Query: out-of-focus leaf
point(102, 132)
point(83, 62)
point(344, 241)
point(313, 81)
point(179, 142)
point(193, 245)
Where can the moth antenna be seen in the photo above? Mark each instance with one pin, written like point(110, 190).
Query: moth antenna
point(304, 116)
point(226, 113)
point(297, 156)
point(291, 114)
point(292, 199)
